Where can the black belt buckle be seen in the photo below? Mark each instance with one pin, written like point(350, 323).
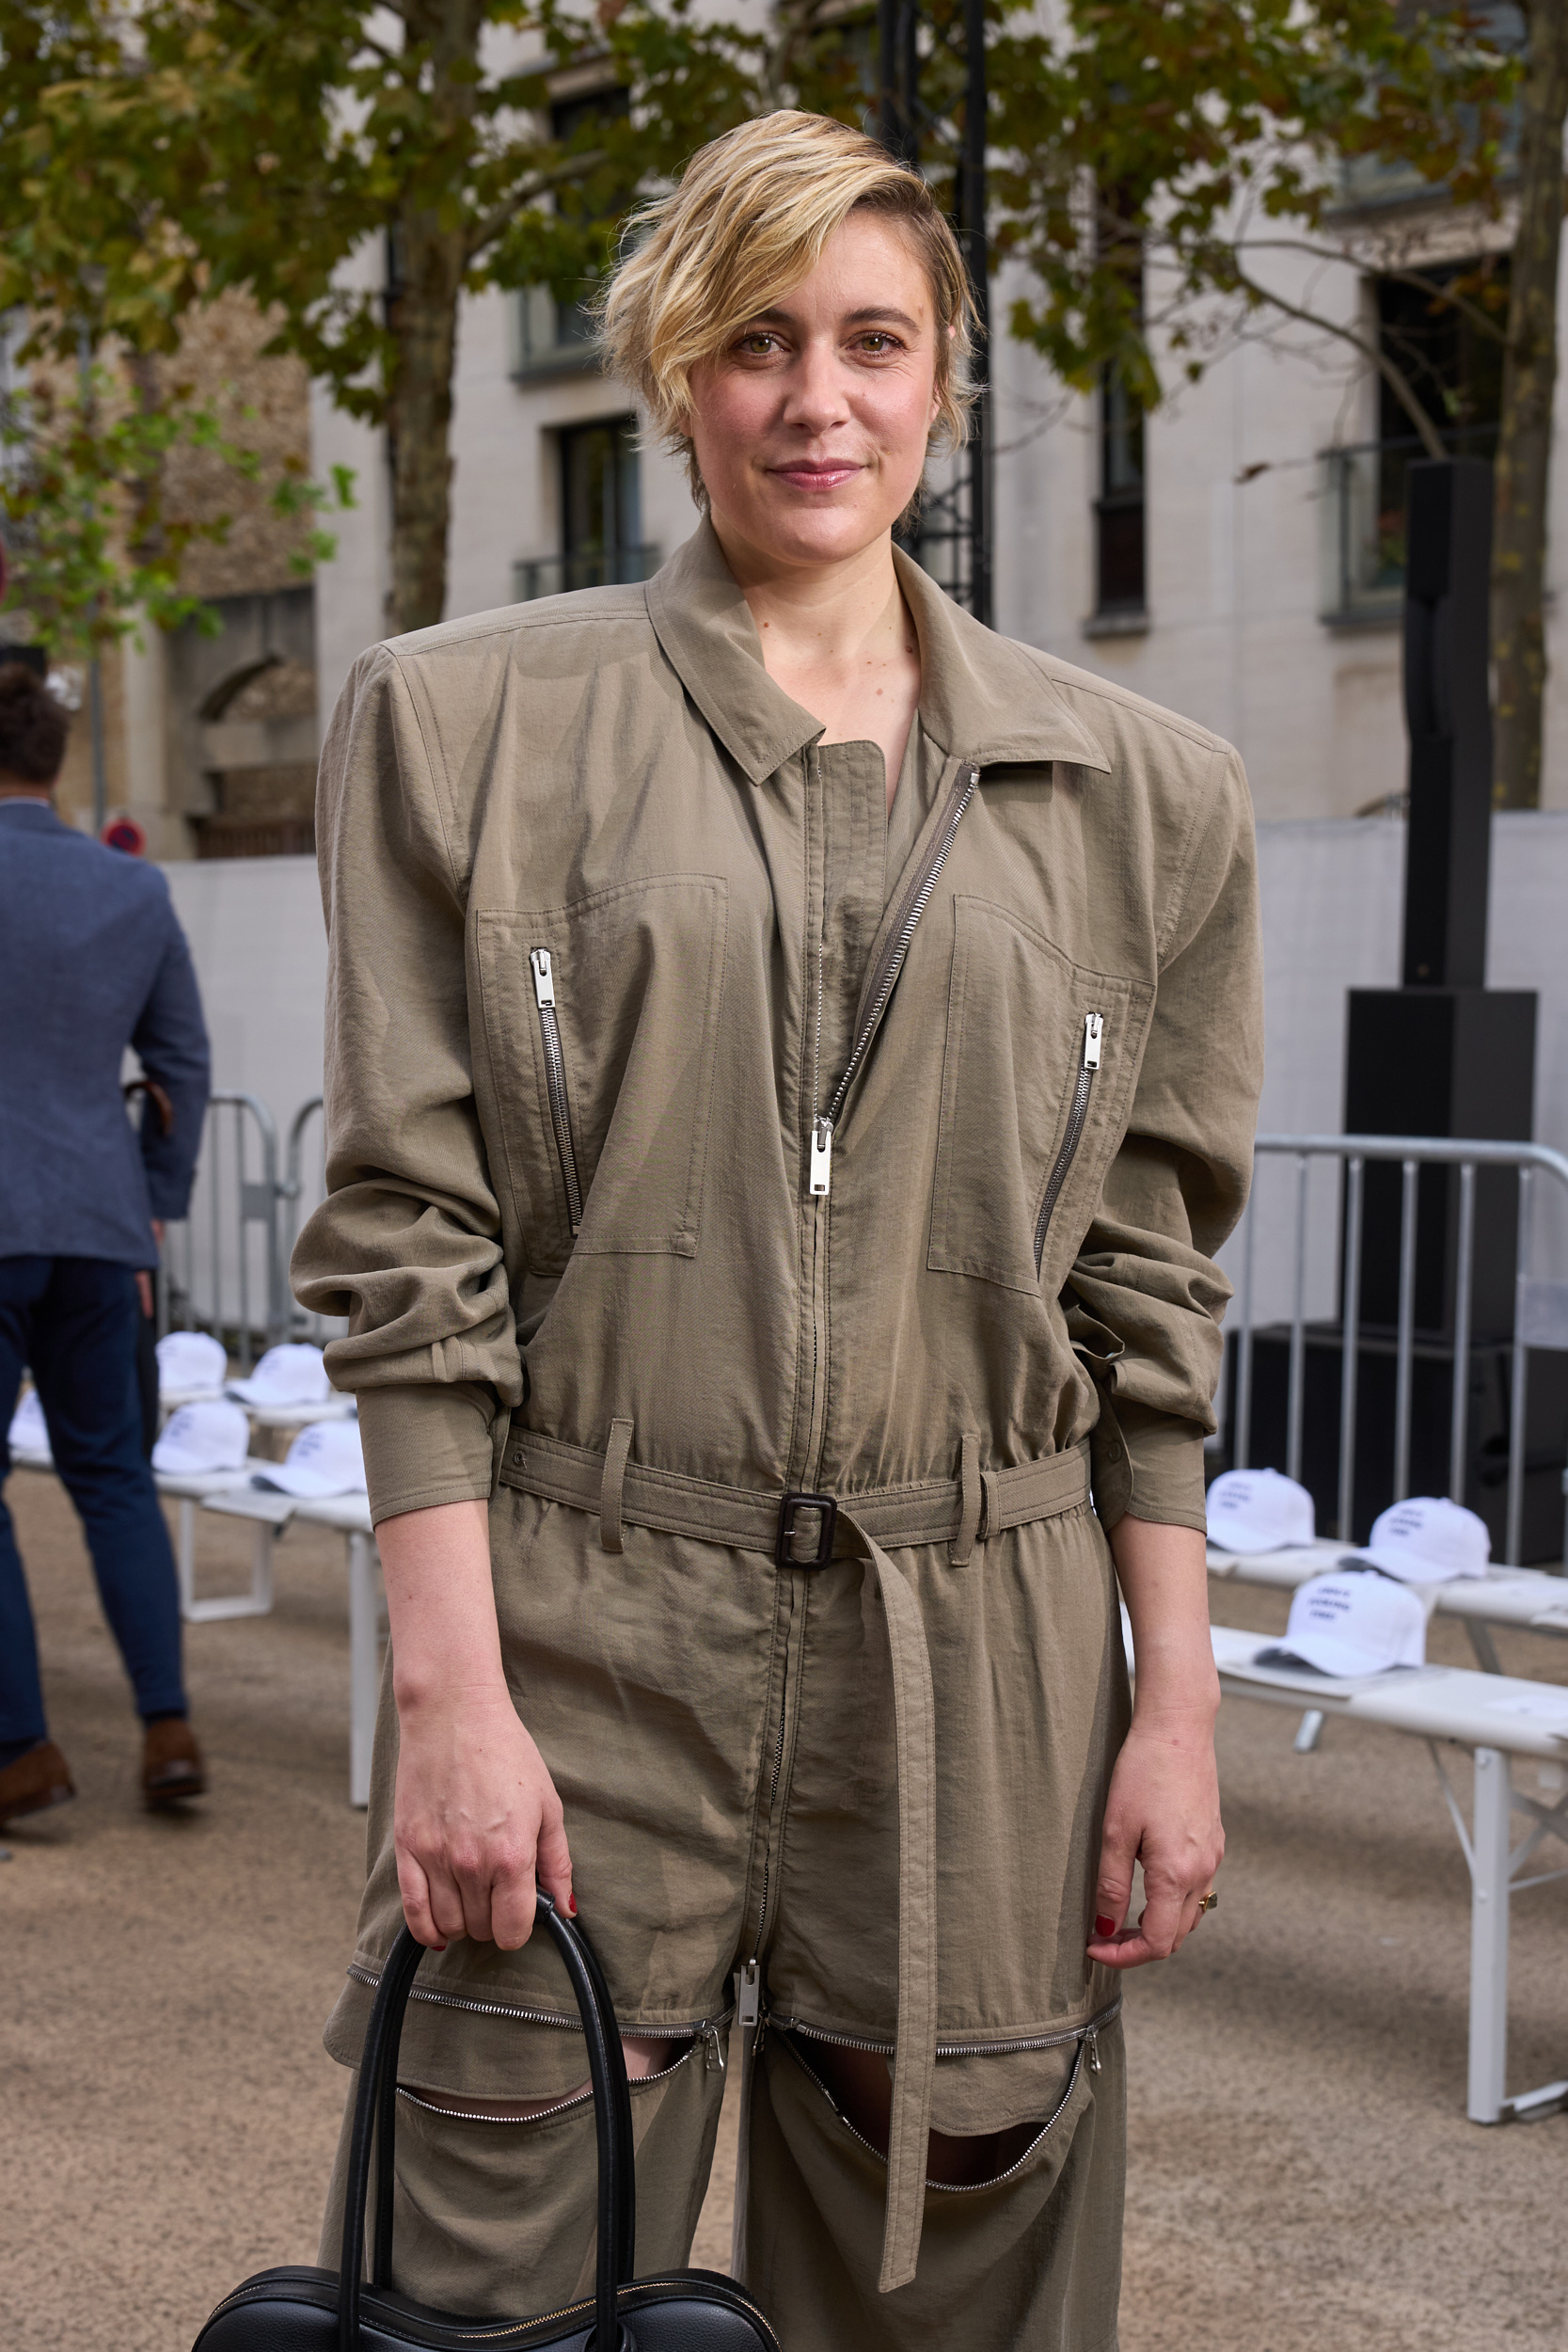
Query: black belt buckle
point(788, 1509)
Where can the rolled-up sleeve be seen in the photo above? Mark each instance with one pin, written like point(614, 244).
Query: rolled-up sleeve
point(408, 1245)
point(1146, 1296)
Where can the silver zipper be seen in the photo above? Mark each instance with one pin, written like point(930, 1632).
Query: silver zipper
point(962, 2049)
point(705, 2027)
point(542, 966)
point(891, 964)
point(748, 1983)
point(1082, 1087)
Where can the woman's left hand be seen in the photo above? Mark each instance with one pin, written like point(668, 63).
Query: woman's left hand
point(1163, 1806)
point(1164, 1811)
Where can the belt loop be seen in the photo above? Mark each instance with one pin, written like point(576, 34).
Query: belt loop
point(990, 1517)
point(968, 1504)
point(610, 1486)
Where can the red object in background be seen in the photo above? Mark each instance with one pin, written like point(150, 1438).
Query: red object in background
point(124, 832)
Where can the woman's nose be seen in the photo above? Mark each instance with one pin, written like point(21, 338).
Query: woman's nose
point(816, 388)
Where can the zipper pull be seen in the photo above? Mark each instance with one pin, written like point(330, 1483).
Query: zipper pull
point(821, 1155)
point(1094, 1029)
point(713, 2049)
point(747, 1995)
point(1093, 2039)
point(544, 977)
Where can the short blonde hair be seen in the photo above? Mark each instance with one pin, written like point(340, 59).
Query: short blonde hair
point(747, 222)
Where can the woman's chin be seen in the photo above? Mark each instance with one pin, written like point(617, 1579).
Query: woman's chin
point(801, 534)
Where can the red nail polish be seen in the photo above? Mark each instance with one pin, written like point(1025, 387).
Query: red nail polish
point(1103, 1925)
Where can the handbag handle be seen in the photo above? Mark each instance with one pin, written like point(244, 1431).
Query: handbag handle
point(376, 2116)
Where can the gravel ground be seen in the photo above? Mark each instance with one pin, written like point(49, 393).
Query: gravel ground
point(1301, 2171)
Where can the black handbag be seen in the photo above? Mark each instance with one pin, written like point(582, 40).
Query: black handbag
point(296, 2309)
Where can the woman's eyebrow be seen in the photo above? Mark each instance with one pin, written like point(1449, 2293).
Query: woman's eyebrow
point(877, 312)
point(882, 312)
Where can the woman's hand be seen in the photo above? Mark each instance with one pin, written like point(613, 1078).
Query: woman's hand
point(476, 1817)
point(1164, 1807)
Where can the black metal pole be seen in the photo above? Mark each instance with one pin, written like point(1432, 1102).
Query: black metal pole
point(973, 215)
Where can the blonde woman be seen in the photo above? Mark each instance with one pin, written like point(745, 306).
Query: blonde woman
point(792, 1058)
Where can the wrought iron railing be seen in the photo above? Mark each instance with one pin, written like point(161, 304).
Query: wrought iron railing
point(590, 567)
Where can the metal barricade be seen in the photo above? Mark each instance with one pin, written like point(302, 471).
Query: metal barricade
point(304, 1188)
point(1540, 1309)
point(222, 1268)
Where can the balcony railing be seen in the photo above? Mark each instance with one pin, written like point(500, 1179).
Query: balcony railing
point(590, 567)
point(1363, 522)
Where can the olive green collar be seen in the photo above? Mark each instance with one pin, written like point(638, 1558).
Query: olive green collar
point(982, 697)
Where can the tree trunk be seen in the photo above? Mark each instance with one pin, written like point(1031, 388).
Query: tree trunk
point(1525, 439)
point(429, 258)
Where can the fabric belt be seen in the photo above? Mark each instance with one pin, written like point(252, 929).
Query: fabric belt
point(805, 1531)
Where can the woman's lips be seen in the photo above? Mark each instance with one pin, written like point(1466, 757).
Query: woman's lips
point(831, 476)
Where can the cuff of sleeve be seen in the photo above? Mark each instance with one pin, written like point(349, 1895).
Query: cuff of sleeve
point(1147, 1465)
point(426, 1445)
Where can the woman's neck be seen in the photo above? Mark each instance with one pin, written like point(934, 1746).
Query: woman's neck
point(841, 641)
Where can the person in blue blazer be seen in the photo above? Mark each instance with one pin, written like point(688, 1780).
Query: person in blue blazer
point(91, 960)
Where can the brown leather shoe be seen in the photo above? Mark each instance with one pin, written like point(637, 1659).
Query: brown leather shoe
point(36, 1781)
point(171, 1765)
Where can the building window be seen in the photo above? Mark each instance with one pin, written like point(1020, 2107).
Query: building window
point(1455, 369)
point(1120, 573)
point(555, 337)
point(601, 513)
point(1119, 580)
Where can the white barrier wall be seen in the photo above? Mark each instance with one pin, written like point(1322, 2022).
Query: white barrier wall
point(1331, 896)
point(259, 949)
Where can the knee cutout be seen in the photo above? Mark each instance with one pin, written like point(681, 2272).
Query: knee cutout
point(990, 2114)
point(649, 2059)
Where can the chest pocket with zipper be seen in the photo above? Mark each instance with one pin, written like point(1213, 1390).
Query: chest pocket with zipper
point(1037, 1077)
point(602, 1020)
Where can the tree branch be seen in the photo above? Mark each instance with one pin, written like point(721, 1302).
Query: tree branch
point(497, 222)
point(1393, 376)
point(1419, 278)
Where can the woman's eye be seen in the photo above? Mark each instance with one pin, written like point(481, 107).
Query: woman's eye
point(757, 346)
point(877, 344)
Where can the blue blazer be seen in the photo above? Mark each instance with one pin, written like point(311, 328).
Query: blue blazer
point(91, 960)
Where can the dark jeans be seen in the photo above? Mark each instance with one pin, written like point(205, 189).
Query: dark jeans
point(75, 1321)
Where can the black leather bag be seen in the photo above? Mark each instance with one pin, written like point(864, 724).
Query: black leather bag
point(327, 2311)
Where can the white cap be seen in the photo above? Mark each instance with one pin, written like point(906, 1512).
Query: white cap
point(191, 1359)
point(27, 1433)
point(292, 1374)
point(1355, 1622)
point(325, 1459)
point(212, 1435)
point(1258, 1510)
point(1428, 1540)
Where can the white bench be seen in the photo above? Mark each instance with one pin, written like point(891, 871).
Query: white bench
point(1498, 1717)
point(351, 1516)
point(1528, 1599)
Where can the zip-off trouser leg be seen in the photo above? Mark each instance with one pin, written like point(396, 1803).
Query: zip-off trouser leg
point(495, 2219)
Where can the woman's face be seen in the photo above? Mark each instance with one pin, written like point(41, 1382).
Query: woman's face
point(810, 427)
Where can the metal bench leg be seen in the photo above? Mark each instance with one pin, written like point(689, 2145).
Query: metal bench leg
point(364, 1641)
point(256, 1603)
point(1489, 1898)
point(185, 1558)
point(261, 1570)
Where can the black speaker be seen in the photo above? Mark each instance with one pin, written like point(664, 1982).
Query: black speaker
point(1449, 714)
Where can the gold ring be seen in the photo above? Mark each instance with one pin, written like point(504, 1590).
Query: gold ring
point(1208, 1902)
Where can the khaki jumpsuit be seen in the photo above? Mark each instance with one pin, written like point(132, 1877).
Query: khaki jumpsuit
point(702, 1138)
